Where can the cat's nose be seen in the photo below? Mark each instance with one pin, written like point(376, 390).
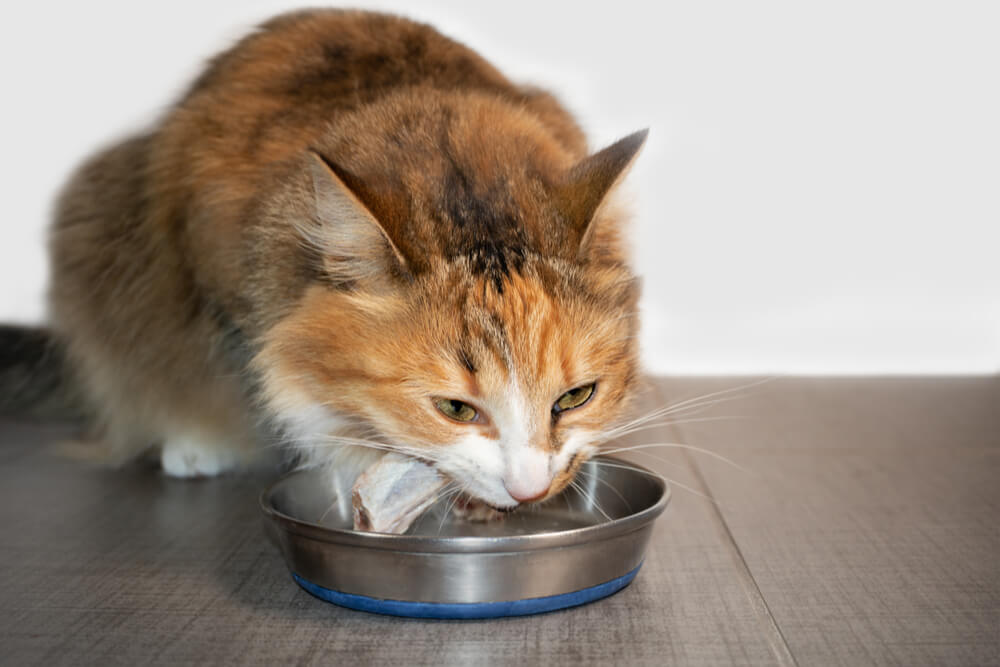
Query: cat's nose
point(526, 488)
point(528, 477)
point(527, 496)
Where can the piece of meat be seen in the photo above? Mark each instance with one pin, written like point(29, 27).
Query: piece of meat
point(390, 495)
point(476, 511)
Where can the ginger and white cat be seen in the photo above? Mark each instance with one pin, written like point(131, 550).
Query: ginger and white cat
point(355, 233)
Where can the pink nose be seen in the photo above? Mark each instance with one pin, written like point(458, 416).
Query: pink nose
point(526, 496)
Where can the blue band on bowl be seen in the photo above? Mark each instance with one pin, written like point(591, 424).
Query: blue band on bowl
point(468, 609)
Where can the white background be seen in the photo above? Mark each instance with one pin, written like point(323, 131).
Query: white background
point(820, 192)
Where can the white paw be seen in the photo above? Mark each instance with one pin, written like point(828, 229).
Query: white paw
point(188, 457)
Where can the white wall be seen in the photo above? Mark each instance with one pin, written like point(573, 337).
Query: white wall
point(820, 192)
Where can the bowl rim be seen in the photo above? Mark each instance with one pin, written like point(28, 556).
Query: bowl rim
point(469, 544)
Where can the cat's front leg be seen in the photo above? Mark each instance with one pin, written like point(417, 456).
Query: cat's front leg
point(192, 455)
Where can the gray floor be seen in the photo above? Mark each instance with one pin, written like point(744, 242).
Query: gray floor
point(863, 528)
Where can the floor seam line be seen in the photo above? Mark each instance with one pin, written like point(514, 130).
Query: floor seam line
point(781, 649)
point(776, 638)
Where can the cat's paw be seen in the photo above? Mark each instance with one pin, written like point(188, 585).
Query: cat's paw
point(187, 457)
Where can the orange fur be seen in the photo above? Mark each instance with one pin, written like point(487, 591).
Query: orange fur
point(347, 216)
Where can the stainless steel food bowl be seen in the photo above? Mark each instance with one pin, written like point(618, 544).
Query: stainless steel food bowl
point(577, 547)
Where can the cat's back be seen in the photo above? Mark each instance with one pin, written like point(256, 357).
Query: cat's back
point(280, 87)
point(340, 59)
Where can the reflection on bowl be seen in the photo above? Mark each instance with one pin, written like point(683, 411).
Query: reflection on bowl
point(577, 547)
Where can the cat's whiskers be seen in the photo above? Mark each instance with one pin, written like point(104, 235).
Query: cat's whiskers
point(686, 409)
point(620, 432)
point(320, 442)
point(329, 438)
point(328, 510)
point(723, 392)
point(589, 498)
point(608, 484)
point(676, 445)
point(669, 411)
point(455, 493)
point(673, 482)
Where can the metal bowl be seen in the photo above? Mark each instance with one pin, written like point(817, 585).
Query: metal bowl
point(577, 547)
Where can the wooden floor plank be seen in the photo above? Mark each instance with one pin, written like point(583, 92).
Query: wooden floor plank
point(127, 567)
point(871, 518)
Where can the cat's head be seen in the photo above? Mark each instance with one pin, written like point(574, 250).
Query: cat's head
point(488, 326)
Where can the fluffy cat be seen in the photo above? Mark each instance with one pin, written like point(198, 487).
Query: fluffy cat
point(357, 234)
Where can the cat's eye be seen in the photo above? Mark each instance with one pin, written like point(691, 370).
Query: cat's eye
point(457, 410)
point(573, 398)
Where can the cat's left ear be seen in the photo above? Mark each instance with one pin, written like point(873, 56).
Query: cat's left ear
point(587, 185)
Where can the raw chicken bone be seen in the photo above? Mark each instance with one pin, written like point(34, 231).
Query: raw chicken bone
point(390, 495)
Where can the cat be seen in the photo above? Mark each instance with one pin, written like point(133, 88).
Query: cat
point(355, 235)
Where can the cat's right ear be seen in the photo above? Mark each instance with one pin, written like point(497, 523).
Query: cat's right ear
point(587, 185)
point(354, 247)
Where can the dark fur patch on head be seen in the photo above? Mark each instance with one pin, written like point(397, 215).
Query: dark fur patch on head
point(485, 227)
point(466, 360)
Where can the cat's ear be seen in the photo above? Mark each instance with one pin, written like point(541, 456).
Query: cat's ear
point(587, 184)
point(354, 246)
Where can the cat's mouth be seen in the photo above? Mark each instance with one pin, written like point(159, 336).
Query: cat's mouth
point(472, 509)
